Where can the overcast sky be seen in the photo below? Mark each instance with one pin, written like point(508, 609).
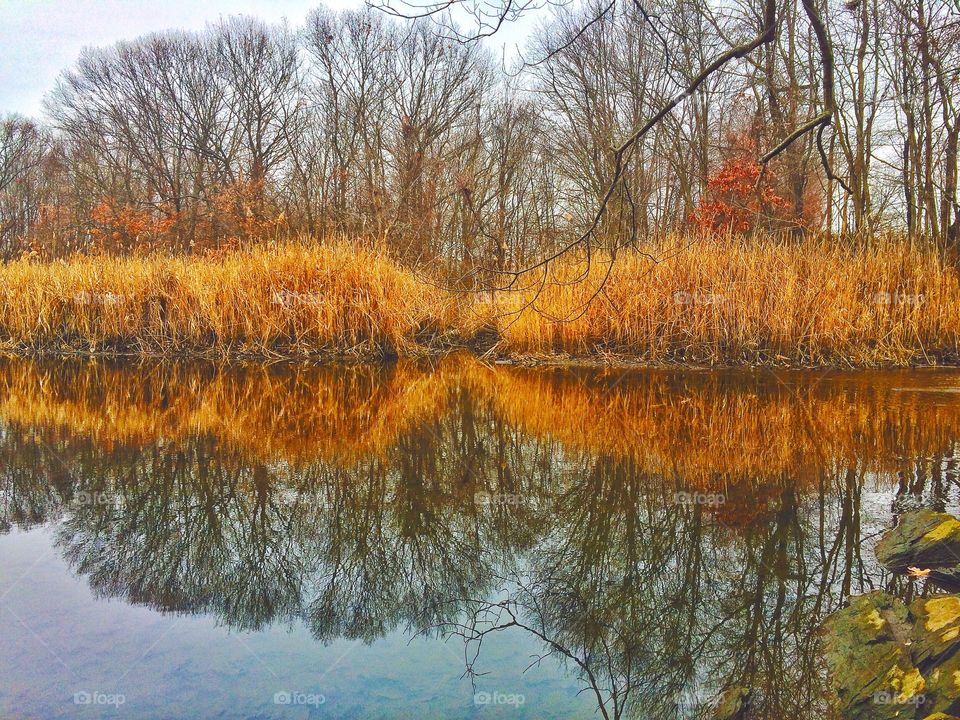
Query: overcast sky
point(39, 38)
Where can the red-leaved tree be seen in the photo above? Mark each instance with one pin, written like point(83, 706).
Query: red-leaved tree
point(743, 197)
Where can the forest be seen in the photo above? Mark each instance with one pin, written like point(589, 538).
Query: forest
point(622, 143)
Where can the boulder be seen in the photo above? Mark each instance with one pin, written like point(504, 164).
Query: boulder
point(869, 659)
point(936, 628)
point(732, 704)
point(923, 538)
point(946, 578)
point(890, 661)
point(942, 691)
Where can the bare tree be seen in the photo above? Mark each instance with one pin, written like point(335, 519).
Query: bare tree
point(23, 150)
point(403, 131)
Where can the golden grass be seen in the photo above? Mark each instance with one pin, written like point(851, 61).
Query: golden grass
point(706, 302)
point(767, 300)
point(290, 299)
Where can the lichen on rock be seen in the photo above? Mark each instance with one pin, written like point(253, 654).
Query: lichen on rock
point(890, 661)
point(870, 666)
point(922, 537)
point(936, 627)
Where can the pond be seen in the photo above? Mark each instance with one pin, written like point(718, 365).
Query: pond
point(448, 539)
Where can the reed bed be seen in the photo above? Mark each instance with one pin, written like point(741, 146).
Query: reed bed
point(289, 299)
point(769, 300)
point(732, 301)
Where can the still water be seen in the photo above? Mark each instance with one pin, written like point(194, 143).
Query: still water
point(451, 540)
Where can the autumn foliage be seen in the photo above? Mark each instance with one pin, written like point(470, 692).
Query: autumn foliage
point(122, 227)
point(744, 197)
point(239, 211)
point(741, 199)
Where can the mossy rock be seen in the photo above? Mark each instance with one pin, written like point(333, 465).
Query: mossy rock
point(942, 689)
point(732, 704)
point(888, 661)
point(922, 537)
point(870, 665)
point(936, 629)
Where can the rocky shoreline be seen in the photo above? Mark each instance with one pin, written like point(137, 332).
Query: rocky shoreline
point(890, 659)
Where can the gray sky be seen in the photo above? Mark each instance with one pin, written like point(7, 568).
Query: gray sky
point(39, 38)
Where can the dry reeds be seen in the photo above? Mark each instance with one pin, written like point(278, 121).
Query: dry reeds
point(291, 299)
point(735, 301)
point(766, 300)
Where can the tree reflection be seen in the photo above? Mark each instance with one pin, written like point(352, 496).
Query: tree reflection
point(467, 516)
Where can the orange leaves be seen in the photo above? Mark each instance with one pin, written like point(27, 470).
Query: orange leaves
point(738, 175)
point(121, 227)
point(742, 199)
point(232, 213)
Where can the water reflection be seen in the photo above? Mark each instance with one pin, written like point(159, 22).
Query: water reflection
point(664, 536)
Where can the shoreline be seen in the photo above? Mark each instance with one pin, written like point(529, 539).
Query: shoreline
point(606, 361)
point(731, 303)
